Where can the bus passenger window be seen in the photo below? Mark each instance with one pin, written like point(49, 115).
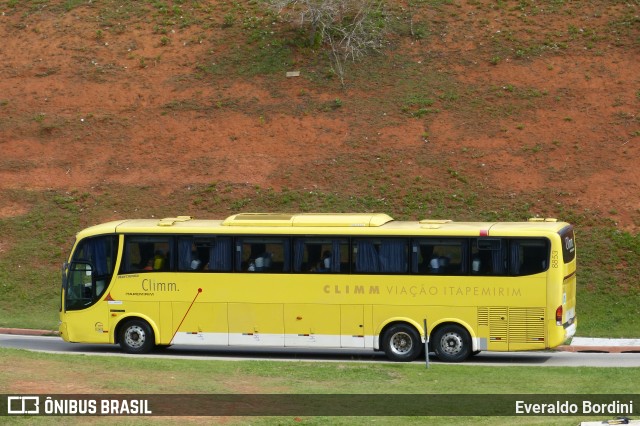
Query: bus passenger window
point(442, 256)
point(320, 255)
point(529, 256)
point(198, 254)
point(146, 254)
point(381, 255)
point(488, 256)
point(262, 254)
point(220, 255)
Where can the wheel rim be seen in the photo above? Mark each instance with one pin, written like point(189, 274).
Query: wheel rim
point(135, 337)
point(451, 343)
point(401, 343)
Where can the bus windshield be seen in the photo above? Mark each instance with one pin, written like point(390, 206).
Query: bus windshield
point(90, 271)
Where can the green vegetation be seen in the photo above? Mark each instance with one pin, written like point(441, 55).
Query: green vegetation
point(138, 375)
point(122, 375)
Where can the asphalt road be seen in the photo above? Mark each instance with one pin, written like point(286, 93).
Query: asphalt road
point(543, 359)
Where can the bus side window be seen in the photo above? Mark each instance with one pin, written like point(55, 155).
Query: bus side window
point(381, 255)
point(262, 254)
point(204, 254)
point(190, 254)
point(365, 256)
point(220, 255)
point(488, 256)
point(146, 254)
point(320, 255)
point(529, 256)
point(443, 256)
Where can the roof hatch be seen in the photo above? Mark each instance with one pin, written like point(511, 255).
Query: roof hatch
point(170, 221)
point(308, 219)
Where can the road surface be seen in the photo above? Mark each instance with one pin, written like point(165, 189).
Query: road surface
point(543, 358)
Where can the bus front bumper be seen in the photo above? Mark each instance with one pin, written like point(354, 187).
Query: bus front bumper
point(63, 331)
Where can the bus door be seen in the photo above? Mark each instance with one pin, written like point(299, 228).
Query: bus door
point(82, 305)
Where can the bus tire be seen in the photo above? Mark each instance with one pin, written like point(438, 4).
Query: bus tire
point(401, 343)
point(451, 343)
point(136, 337)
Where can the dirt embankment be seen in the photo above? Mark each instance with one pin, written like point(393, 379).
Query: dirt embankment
point(84, 105)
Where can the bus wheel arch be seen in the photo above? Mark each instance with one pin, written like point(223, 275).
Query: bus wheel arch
point(135, 335)
point(401, 341)
point(451, 342)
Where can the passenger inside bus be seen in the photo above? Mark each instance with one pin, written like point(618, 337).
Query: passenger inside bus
point(259, 260)
point(324, 264)
point(158, 260)
point(149, 266)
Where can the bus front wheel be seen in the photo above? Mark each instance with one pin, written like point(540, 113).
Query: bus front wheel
point(452, 343)
point(136, 337)
point(401, 343)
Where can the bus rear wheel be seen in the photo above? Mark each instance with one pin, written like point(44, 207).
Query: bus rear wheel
point(136, 337)
point(452, 343)
point(401, 343)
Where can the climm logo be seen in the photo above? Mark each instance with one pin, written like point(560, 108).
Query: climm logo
point(356, 289)
point(568, 244)
point(153, 285)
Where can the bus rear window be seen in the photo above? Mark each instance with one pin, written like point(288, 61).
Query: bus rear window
point(568, 244)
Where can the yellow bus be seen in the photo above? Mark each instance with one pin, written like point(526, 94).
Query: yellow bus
point(323, 281)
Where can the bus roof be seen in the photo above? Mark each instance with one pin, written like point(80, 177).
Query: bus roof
point(323, 223)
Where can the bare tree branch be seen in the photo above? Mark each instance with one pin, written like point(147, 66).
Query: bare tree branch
point(350, 28)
